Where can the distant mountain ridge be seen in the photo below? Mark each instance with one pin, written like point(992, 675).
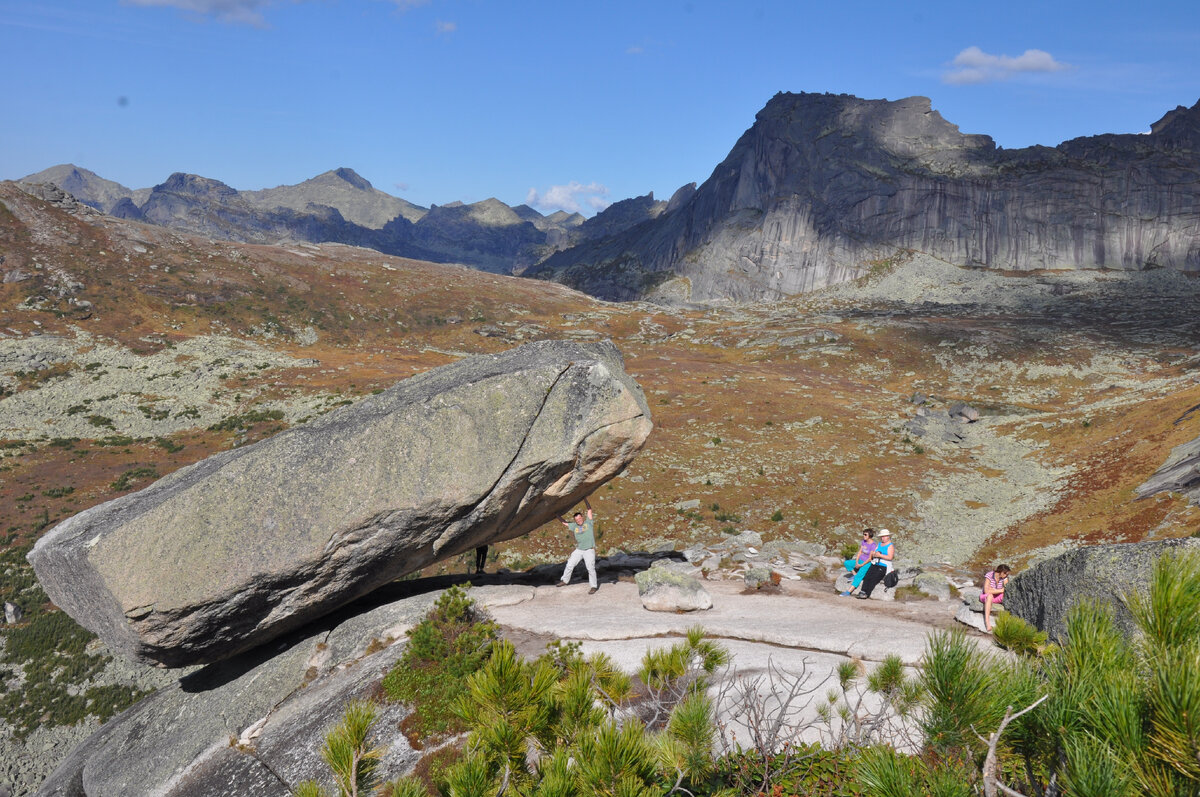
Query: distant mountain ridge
point(337, 206)
point(822, 187)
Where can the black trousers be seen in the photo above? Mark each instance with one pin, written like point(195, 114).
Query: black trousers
point(480, 558)
point(875, 574)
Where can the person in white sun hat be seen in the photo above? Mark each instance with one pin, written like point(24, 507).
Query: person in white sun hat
point(881, 564)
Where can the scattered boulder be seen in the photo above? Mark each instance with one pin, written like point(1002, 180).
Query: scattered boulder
point(968, 616)
point(684, 506)
point(251, 543)
point(663, 590)
point(759, 577)
point(963, 412)
point(1045, 593)
point(12, 613)
point(933, 584)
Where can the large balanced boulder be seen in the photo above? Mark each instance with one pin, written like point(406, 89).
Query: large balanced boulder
point(248, 544)
point(1045, 593)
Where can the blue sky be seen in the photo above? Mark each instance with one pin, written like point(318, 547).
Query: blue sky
point(562, 104)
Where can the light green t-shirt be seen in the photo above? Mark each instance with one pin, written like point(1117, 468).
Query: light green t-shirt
point(584, 539)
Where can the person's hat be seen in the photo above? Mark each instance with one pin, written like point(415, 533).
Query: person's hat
point(883, 533)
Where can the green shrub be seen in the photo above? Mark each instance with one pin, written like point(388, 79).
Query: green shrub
point(777, 516)
point(126, 479)
point(1013, 633)
point(244, 421)
point(444, 649)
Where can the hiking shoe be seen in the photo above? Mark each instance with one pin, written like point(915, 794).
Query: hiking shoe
point(845, 594)
point(862, 596)
point(593, 590)
point(560, 583)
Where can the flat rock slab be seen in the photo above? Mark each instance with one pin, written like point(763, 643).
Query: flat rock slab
point(249, 544)
point(846, 628)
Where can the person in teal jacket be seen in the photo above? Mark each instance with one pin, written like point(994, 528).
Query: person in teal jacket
point(881, 564)
point(859, 564)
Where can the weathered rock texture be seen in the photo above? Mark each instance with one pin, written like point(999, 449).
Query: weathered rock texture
point(253, 725)
point(662, 589)
point(1044, 594)
point(1179, 474)
point(823, 187)
point(248, 544)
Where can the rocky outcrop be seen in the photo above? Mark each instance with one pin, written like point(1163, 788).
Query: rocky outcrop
point(254, 725)
point(1179, 474)
point(825, 187)
point(251, 543)
point(1045, 593)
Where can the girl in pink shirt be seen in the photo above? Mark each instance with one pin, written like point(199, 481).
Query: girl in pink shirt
point(994, 582)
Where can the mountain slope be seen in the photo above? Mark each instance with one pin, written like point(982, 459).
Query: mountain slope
point(822, 187)
point(87, 186)
point(354, 197)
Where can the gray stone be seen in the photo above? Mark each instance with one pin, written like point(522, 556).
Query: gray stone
point(251, 543)
point(696, 554)
point(252, 724)
point(1044, 594)
point(1179, 474)
point(758, 577)
point(970, 618)
point(684, 506)
point(746, 538)
point(663, 590)
point(963, 412)
point(12, 613)
point(933, 584)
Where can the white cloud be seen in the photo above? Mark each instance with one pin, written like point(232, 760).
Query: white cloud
point(973, 65)
point(242, 11)
point(445, 27)
point(569, 197)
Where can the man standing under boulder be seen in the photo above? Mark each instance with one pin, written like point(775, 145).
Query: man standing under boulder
point(585, 548)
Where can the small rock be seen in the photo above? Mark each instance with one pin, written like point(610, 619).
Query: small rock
point(663, 590)
point(970, 618)
point(759, 577)
point(12, 613)
point(963, 411)
point(933, 584)
point(684, 506)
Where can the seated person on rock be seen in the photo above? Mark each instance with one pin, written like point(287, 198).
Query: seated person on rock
point(881, 564)
point(994, 582)
point(859, 564)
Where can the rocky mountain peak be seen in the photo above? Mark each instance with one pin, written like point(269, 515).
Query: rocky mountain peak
point(197, 186)
point(1180, 127)
point(352, 177)
point(823, 185)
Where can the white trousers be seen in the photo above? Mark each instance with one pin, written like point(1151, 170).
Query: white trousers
point(589, 561)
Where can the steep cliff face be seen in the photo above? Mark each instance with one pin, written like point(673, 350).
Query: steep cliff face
point(822, 185)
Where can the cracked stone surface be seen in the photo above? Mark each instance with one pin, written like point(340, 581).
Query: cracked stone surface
point(244, 546)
